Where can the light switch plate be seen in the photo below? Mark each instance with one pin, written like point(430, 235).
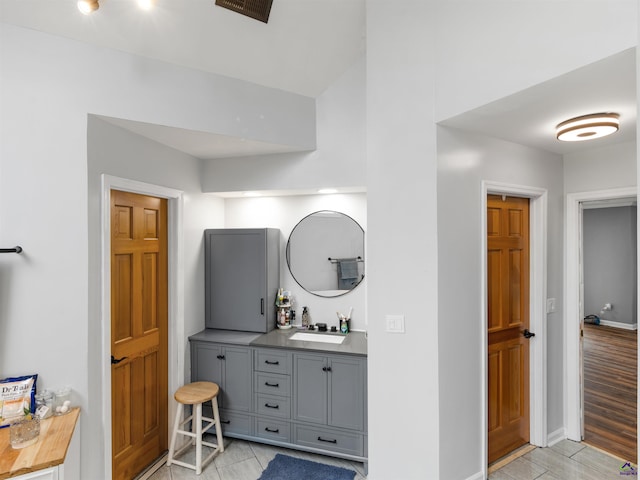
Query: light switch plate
point(395, 323)
point(551, 305)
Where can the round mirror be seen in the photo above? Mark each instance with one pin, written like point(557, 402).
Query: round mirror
point(325, 253)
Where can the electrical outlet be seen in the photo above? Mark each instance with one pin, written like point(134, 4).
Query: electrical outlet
point(395, 323)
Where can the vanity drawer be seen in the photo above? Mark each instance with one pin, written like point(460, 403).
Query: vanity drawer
point(272, 384)
point(332, 440)
point(273, 361)
point(232, 422)
point(273, 406)
point(273, 429)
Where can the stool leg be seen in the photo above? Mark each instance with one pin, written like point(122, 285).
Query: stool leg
point(198, 419)
point(216, 419)
point(176, 426)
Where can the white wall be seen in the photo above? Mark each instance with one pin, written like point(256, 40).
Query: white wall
point(284, 213)
point(600, 168)
point(489, 49)
point(428, 61)
point(48, 86)
point(402, 246)
point(338, 161)
point(425, 61)
point(464, 161)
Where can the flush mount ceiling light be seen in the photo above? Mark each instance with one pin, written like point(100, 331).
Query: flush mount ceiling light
point(88, 6)
point(588, 127)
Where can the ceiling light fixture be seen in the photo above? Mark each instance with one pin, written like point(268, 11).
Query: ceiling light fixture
point(587, 127)
point(146, 4)
point(88, 6)
point(328, 191)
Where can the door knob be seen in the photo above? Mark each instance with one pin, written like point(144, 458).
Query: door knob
point(528, 334)
point(115, 361)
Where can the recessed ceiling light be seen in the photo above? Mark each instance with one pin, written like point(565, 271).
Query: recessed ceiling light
point(587, 127)
point(146, 4)
point(88, 6)
point(328, 190)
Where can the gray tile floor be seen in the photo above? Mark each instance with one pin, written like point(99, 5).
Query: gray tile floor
point(565, 460)
point(243, 460)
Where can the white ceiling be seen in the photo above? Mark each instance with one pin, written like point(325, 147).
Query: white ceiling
point(305, 46)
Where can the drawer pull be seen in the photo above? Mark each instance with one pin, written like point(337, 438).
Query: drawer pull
point(271, 363)
point(272, 384)
point(226, 422)
point(320, 439)
point(268, 405)
point(271, 430)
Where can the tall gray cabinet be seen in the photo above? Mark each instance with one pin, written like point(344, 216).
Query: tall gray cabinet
point(242, 276)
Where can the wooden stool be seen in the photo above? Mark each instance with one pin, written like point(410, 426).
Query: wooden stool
point(196, 394)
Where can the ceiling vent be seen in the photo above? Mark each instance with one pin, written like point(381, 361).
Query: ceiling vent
point(258, 9)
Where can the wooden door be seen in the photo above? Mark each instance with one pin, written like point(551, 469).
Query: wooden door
point(508, 320)
point(138, 332)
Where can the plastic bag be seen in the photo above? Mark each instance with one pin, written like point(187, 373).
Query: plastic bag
point(17, 398)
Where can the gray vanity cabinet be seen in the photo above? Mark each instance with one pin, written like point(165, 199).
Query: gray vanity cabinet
point(329, 391)
point(230, 367)
point(242, 276)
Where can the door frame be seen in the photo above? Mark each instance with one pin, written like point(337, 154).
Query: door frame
point(537, 308)
point(175, 293)
point(573, 414)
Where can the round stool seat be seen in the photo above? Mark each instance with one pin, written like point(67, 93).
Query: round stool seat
point(196, 392)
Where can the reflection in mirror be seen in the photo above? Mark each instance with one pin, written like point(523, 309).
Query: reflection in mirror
point(325, 253)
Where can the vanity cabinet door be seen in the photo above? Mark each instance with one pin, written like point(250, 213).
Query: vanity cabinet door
point(347, 387)
point(330, 390)
point(238, 374)
point(229, 367)
point(206, 364)
point(310, 387)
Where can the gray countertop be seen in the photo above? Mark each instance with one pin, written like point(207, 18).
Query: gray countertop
point(355, 343)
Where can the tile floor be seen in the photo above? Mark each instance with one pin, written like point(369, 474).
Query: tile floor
point(566, 460)
point(243, 460)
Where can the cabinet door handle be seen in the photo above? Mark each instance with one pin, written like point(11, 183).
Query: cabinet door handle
point(220, 357)
point(271, 384)
point(271, 363)
point(226, 422)
point(262, 306)
point(268, 405)
point(326, 369)
point(320, 439)
point(271, 430)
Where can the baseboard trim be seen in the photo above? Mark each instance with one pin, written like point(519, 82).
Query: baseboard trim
point(556, 436)
point(476, 476)
point(624, 326)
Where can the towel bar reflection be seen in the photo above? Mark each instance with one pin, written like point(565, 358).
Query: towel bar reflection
point(11, 250)
point(337, 260)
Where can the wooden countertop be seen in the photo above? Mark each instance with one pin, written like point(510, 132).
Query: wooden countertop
point(50, 449)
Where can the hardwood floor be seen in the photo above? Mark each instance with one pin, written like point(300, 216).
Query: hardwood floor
point(610, 390)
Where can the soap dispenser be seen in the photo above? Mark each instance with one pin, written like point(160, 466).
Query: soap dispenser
point(306, 320)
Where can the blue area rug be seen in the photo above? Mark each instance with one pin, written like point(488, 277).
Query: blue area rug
point(284, 467)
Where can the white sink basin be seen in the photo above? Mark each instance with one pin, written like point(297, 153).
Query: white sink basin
point(317, 337)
